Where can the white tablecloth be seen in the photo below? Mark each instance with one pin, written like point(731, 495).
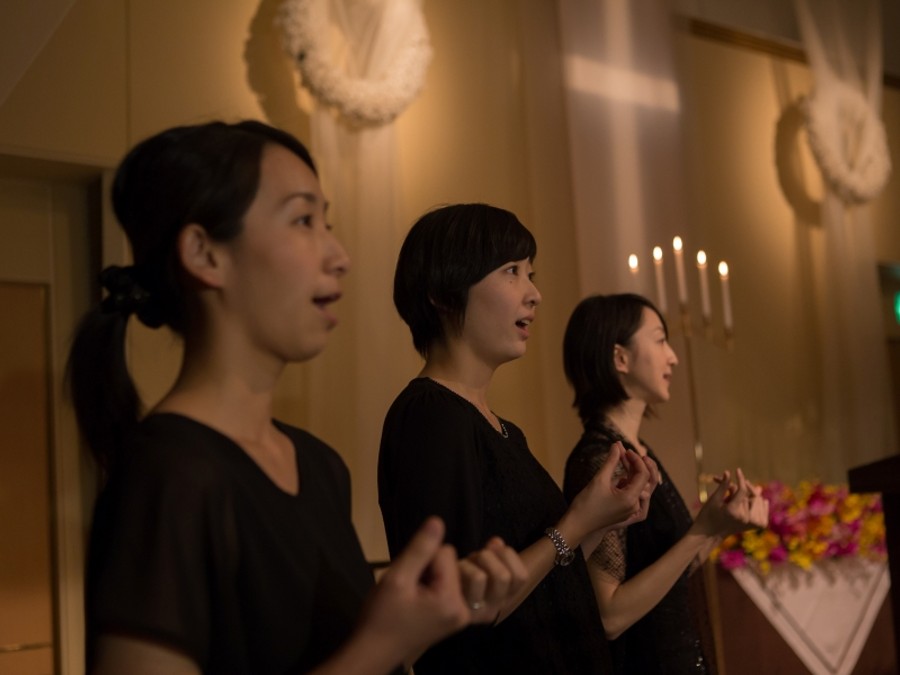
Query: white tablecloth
point(825, 614)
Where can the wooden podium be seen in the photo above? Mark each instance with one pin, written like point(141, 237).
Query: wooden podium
point(884, 476)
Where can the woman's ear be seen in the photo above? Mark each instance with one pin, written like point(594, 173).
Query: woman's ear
point(621, 359)
point(200, 256)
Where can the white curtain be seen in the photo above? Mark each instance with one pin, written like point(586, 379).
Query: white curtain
point(624, 113)
point(624, 126)
point(843, 44)
point(370, 356)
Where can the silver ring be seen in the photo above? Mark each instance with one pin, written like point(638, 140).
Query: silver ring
point(475, 606)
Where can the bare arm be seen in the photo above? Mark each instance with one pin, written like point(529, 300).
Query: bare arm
point(621, 604)
point(729, 509)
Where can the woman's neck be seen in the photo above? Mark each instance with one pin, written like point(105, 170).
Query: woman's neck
point(626, 418)
point(231, 395)
point(465, 377)
point(459, 372)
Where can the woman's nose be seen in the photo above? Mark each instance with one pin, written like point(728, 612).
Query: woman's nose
point(534, 298)
point(338, 260)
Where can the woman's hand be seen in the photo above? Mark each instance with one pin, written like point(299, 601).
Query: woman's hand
point(491, 577)
point(592, 540)
point(747, 504)
point(612, 498)
point(418, 600)
point(733, 507)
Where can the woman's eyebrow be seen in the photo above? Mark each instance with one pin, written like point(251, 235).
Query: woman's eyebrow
point(310, 197)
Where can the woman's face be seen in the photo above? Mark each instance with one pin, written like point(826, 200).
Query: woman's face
point(285, 266)
point(645, 364)
point(499, 312)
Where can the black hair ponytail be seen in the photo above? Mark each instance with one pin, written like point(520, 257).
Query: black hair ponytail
point(106, 401)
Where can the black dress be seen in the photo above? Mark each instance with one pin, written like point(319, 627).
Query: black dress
point(673, 638)
point(439, 455)
point(194, 547)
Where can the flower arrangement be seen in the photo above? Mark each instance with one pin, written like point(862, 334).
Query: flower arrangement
point(813, 522)
point(376, 100)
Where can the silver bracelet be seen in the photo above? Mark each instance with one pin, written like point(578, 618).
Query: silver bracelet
point(564, 555)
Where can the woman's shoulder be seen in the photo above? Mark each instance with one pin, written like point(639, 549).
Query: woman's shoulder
point(596, 440)
point(313, 449)
point(170, 441)
point(425, 399)
point(170, 464)
point(587, 457)
point(176, 447)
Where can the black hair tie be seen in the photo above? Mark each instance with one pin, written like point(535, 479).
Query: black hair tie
point(126, 295)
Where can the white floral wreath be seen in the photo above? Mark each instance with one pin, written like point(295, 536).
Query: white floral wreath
point(848, 141)
point(305, 25)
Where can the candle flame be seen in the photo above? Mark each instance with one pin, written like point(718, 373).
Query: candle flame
point(723, 270)
point(676, 243)
point(701, 258)
point(633, 262)
point(657, 253)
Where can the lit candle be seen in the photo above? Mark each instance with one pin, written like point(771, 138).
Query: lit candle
point(634, 268)
point(704, 285)
point(679, 271)
point(660, 281)
point(726, 296)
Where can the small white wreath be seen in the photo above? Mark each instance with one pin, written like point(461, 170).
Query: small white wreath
point(848, 141)
point(305, 25)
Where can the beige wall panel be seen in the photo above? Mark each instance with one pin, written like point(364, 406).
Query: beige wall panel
point(75, 223)
point(26, 596)
point(885, 208)
point(462, 140)
point(759, 405)
point(188, 62)
point(32, 662)
point(71, 103)
point(25, 221)
point(47, 230)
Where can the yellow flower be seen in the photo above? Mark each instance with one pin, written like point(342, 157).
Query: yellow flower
point(801, 559)
point(822, 527)
point(851, 509)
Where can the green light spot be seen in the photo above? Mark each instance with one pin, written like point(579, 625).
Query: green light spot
point(897, 307)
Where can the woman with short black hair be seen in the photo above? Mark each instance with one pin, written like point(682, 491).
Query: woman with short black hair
point(464, 285)
point(618, 360)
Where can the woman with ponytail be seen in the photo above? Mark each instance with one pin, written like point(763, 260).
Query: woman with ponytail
point(222, 540)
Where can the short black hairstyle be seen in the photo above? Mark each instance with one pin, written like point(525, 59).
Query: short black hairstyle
point(447, 251)
point(597, 325)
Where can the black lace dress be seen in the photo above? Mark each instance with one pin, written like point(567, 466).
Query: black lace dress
point(675, 637)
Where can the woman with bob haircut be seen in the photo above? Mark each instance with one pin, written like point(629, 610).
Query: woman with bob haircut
point(464, 285)
point(222, 540)
point(617, 358)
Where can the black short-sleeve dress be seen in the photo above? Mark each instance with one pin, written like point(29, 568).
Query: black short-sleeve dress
point(194, 547)
point(439, 455)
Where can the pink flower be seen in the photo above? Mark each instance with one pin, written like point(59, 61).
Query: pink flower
point(778, 554)
point(811, 522)
point(732, 559)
